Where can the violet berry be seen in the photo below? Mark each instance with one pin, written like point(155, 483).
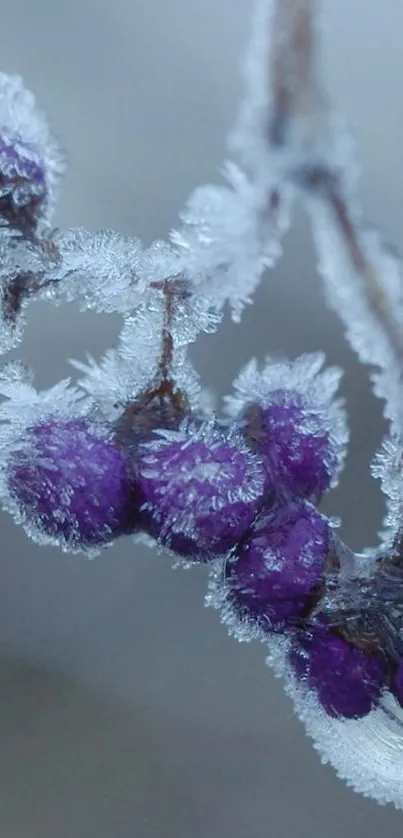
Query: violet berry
point(30, 161)
point(348, 681)
point(22, 183)
point(202, 489)
point(276, 570)
point(292, 421)
point(72, 484)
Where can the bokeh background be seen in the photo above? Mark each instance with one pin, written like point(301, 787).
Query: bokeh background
point(125, 710)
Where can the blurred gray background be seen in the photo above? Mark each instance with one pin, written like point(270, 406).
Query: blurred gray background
point(125, 710)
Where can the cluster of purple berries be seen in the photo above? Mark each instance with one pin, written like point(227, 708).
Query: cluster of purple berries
point(243, 490)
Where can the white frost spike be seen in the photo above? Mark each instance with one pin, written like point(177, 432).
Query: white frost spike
point(140, 348)
point(284, 121)
point(366, 753)
point(100, 269)
point(21, 263)
point(249, 139)
point(24, 405)
point(230, 235)
point(124, 373)
point(22, 121)
point(388, 467)
point(110, 272)
point(306, 377)
point(245, 631)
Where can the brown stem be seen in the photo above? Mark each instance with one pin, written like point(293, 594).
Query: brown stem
point(291, 66)
point(26, 284)
point(162, 405)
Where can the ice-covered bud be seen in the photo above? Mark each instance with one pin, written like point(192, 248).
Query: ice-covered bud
point(348, 681)
point(30, 161)
point(277, 570)
point(202, 488)
point(72, 484)
point(293, 422)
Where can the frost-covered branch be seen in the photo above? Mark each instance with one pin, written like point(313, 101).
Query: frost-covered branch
point(138, 448)
point(363, 278)
point(295, 94)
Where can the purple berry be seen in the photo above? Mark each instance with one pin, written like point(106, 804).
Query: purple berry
point(72, 484)
point(292, 420)
point(30, 159)
point(23, 188)
point(293, 443)
point(275, 570)
point(202, 489)
point(348, 681)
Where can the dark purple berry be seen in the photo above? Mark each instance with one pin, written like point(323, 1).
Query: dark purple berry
point(348, 680)
point(72, 484)
point(293, 421)
point(294, 443)
point(23, 187)
point(278, 567)
point(202, 490)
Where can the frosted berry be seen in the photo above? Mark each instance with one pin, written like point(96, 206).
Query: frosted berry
point(348, 681)
point(72, 484)
point(278, 567)
point(293, 443)
point(22, 184)
point(202, 489)
point(293, 421)
point(30, 159)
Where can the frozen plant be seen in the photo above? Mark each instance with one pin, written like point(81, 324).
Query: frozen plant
point(135, 448)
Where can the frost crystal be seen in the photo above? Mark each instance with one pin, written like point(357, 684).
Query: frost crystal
point(229, 237)
point(367, 753)
point(363, 281)
point(388, 466)
point(397, 683)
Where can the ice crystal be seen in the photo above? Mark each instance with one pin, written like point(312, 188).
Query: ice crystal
point(363, 281)
point(388, 467)
point(229, 237)
point(367, 752)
